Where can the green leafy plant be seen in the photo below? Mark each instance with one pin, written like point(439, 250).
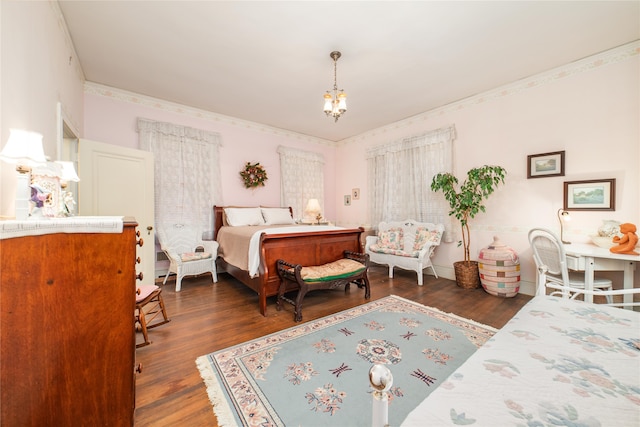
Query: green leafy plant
point(467, 199)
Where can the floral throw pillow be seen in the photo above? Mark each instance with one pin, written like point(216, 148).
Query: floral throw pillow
point(391, 239)
point(424, 236)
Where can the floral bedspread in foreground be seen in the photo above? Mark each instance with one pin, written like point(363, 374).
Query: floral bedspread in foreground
point(556, 363)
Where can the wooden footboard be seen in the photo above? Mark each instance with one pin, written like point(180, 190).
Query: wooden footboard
point(312, 248)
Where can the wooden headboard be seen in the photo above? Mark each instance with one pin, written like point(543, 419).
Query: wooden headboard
point(218, 213)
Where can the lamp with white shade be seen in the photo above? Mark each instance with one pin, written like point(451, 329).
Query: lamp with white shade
point(313, 210)
point(68, 173)
point(24, 149)
point(67, 202)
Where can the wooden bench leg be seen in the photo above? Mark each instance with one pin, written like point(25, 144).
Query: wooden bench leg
point(367, 287)
point(281, 289)
point(298, 306)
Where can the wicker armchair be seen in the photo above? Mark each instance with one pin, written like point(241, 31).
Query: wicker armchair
point(188, 254)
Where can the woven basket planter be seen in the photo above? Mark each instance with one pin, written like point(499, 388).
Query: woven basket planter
point(499, 269)
point(467, 276)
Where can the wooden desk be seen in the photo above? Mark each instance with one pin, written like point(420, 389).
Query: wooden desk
point(590, 258)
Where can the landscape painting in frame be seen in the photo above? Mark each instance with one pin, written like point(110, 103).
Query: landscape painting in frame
point(545, 165)
point(593, 195)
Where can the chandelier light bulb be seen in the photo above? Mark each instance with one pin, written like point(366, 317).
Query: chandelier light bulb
point(342, 102)
point(328, 107)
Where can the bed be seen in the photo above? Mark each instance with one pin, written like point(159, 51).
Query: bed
point(299, 244)
point(557, 362)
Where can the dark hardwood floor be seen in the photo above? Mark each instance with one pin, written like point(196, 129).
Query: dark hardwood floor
point(207, 317)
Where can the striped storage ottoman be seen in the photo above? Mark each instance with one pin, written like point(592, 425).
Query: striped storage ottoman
point(499, 269)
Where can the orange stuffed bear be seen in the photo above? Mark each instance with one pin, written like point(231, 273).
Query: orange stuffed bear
point(626, 243)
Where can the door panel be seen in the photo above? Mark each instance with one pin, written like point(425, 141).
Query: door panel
point(119, 181)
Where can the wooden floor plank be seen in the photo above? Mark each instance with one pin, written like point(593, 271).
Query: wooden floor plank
point(207, 317)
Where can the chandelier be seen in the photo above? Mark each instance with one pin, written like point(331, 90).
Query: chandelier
point(335, 104)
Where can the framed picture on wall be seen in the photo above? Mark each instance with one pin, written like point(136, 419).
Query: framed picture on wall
point(545, 165)
point(347, 200)
point(593, 195)
point(355, 194)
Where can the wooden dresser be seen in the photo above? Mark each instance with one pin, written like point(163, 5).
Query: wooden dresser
point(67, 328)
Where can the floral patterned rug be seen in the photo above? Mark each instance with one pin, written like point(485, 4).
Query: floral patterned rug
point(317, 373)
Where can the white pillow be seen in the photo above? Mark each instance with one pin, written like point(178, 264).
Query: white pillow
point(277, 216)
point(243, 216)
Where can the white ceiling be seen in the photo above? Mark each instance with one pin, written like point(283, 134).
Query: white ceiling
point(268, 62)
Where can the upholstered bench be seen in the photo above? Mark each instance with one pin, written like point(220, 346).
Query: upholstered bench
point(352, 268)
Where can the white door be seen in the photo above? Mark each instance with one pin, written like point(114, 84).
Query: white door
point(119, 181)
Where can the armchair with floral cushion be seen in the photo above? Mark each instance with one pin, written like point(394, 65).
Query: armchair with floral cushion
point(406, 244)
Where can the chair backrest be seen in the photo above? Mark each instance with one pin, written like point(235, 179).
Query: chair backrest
point(411, 230)
point(548, 253)
point(179, 238)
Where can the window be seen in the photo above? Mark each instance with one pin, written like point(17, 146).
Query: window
point(302, 178)
point(187, 172)
point(400, 174)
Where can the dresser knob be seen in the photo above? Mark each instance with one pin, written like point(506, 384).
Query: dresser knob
point(137, 233)
point(138, 260)
point(139, 368)
point(140, 242)
point(139, 276)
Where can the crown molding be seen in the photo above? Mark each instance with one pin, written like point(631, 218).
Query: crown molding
point(591, 63)
point(594, 62)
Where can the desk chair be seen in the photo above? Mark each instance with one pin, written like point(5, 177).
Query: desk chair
point(551, 262)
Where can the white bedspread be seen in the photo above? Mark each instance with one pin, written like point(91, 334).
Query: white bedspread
point(556, 363)
point(254, 244)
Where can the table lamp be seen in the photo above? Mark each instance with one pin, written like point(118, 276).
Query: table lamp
point(24, 149)
point(314, 210)
point(68, 174)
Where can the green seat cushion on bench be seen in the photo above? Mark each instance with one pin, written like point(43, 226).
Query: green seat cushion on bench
point(339, 269)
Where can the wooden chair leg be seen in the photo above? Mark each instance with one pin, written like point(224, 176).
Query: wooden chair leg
point(143, 325)
point(164, 310)
point(158, 309)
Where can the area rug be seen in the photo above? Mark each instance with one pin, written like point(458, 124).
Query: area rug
point(317, 373)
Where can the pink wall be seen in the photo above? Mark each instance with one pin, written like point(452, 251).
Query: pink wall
point(113, 120)
point(589, 109)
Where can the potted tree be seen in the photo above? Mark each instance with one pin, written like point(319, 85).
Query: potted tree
point(465, 202)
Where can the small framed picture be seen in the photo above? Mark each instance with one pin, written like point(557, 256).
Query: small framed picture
point(545, 165)
point(355, 194)
point(594, 195)
point(347, 200)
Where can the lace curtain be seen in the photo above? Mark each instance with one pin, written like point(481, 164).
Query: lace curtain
point(187, 172)
point(400, 174)
point(302, 178)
